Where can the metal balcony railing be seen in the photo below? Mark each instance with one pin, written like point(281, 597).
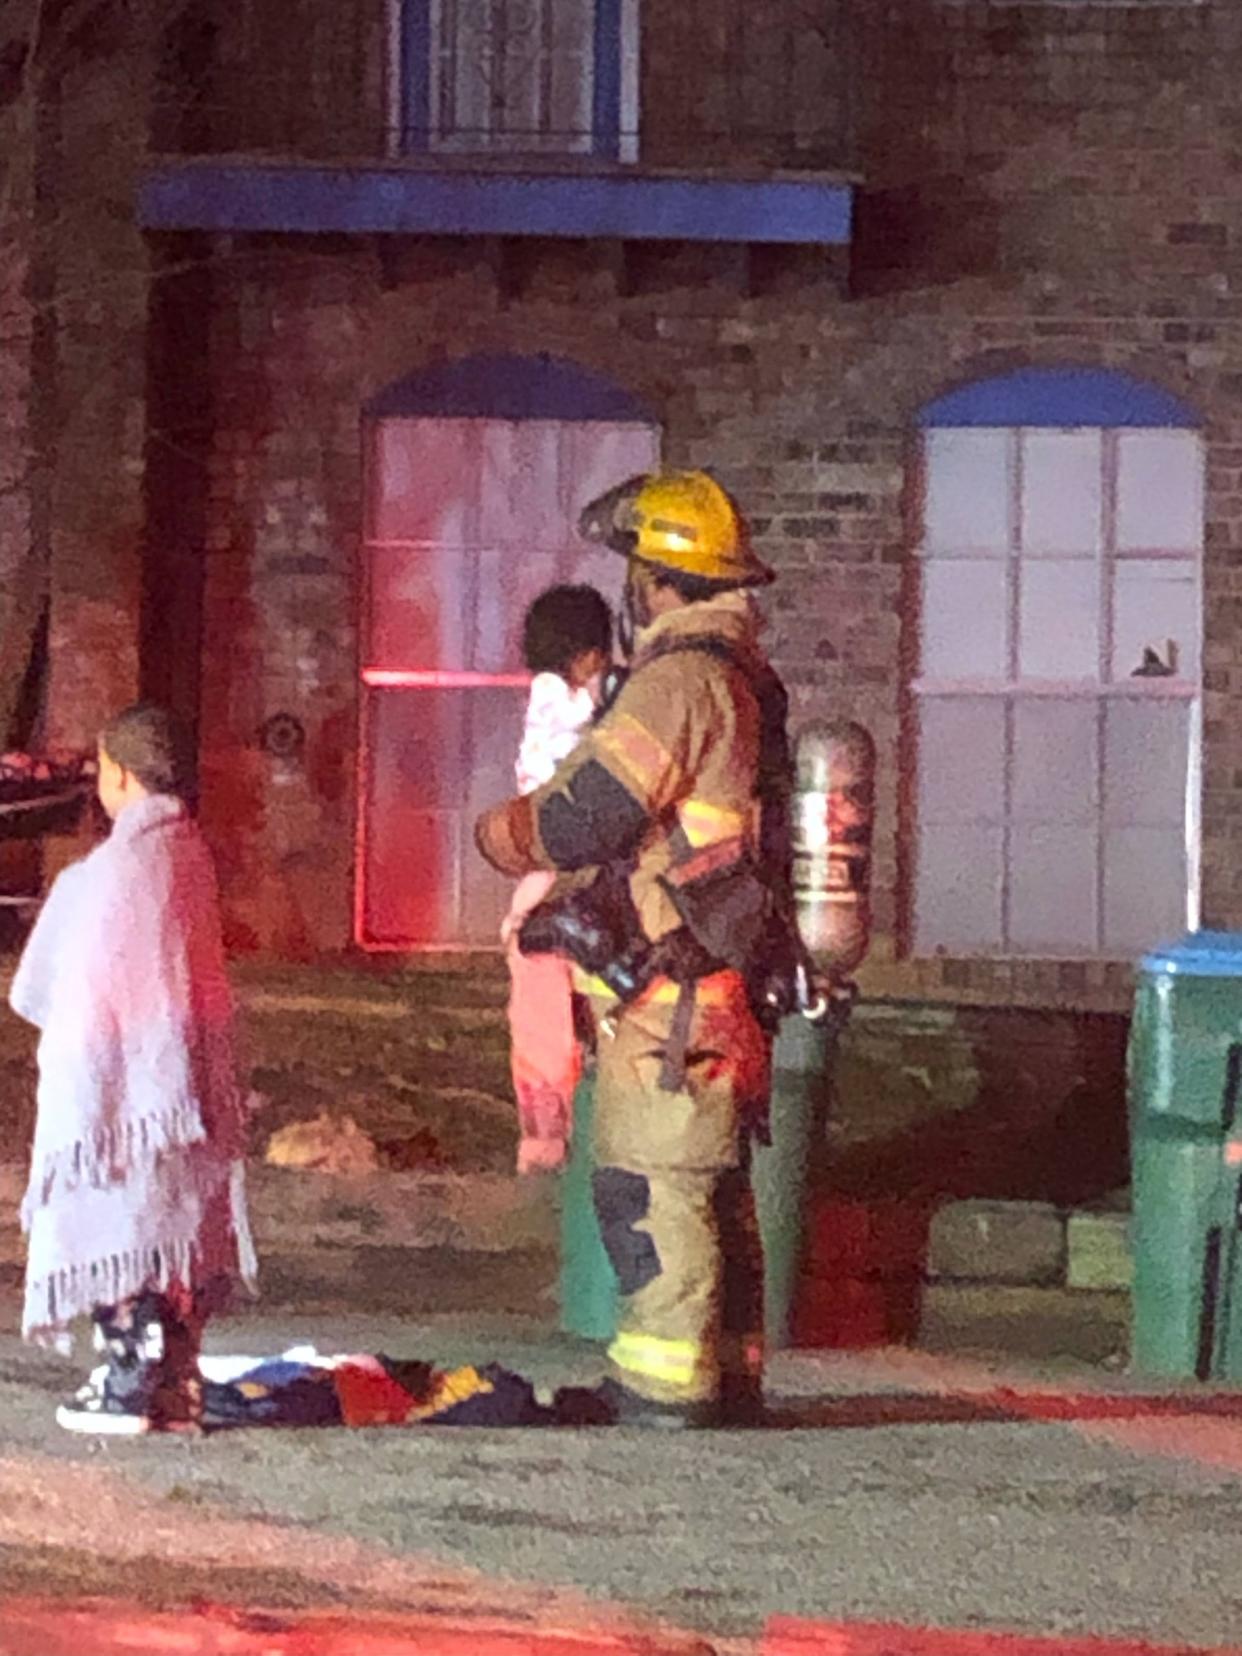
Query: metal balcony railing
point(710, 87)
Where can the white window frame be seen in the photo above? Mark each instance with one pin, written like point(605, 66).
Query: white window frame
point(1102, 688)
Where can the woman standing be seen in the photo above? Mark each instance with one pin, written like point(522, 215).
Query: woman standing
point(135, 1211)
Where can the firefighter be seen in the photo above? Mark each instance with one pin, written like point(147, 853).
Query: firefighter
point(662, 796)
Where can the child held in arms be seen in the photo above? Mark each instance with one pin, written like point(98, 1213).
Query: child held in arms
point(135, 1212)
point(567, 644)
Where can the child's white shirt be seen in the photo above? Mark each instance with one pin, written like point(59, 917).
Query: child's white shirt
point(555, 718)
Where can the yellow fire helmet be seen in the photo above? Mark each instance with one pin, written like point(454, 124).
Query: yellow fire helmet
point(682, 521)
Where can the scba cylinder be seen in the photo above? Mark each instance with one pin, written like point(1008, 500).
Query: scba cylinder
point(833, 819)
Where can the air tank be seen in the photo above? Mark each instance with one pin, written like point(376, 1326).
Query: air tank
point(833, 818)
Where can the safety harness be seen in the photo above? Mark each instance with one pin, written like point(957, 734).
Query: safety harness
point(728, 899)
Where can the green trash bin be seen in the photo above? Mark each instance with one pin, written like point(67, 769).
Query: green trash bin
point(588, 1283)
point(1185, 1064)
point(801, 1058)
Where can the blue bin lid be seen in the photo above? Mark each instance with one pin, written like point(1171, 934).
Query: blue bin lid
point(1214, 954)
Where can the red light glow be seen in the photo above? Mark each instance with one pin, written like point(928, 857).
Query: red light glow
point(386, 678)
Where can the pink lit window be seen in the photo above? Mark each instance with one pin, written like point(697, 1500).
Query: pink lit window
point(467, 521)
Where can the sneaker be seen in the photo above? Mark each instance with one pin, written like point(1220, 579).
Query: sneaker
point(150, 1382)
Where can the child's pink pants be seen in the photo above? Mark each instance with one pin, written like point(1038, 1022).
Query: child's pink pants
point(545, 1056)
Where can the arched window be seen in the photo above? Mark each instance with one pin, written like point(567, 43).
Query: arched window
point(476, 471)
point(1056, 694)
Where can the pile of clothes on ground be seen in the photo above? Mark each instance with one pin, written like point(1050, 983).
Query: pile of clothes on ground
point(302, 1387)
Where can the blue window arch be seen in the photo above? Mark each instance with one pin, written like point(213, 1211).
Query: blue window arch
point(507, 386)
point(1060, 397)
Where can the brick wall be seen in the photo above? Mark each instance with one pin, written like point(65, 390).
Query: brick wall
point(722, 85)
point(1043, 183)
point(18, 607)
point(91, 285)
point(288, 77)
point(16, 344)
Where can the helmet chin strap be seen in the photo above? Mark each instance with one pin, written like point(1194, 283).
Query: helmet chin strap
point(635, 613)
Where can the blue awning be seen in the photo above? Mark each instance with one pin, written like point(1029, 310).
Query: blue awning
point(240, 196)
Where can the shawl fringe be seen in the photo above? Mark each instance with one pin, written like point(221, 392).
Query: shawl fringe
point(75, 1290)
point(110, 1153)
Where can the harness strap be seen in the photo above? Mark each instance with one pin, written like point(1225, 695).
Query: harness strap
point(673, 1063)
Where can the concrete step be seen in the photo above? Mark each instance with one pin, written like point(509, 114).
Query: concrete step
point(294, 1212)
point(1030, 1244)
point(1020, 1244)
point(1046, 1325)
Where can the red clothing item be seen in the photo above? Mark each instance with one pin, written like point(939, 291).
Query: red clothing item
point(545, 1057)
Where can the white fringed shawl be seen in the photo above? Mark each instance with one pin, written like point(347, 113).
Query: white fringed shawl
point(136, 1163)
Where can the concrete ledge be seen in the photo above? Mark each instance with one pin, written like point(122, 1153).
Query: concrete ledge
point(1031, 1244)
point(1034, 1323)
point(290, 1211)
point(472, 1213)
point(1015, 1242)
point(1006, 1244)
point(1098, 1251)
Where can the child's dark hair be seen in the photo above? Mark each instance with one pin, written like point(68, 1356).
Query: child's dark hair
point(148, 742)
point(563, 623)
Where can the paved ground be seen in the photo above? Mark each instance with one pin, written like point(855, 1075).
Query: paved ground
point(909, 1487)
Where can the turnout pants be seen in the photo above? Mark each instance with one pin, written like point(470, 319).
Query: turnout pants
point(672, 1193)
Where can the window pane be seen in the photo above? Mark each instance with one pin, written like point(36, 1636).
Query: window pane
point(435, 759)
point(1052, 889)
point(964, 620)
point(522, 46)
point(1159, 490)
point(401, 908)
point(1058, 620)
point(521, 501)
point(420, 747)
point(1061, 491)
point(967, 507)
point(570, 30)
point(959, 889)
point(1144, 888)
point(418, 764)
point(507, 586)
point(494, 721)
point(437, 755)
point(595, 457)
point(421, 480)
point(1055, 763)
point(961, 759)
point(1155, 604)
point(466, 70)
point(1145, 753)
point(421, 609)
point(516, 75)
